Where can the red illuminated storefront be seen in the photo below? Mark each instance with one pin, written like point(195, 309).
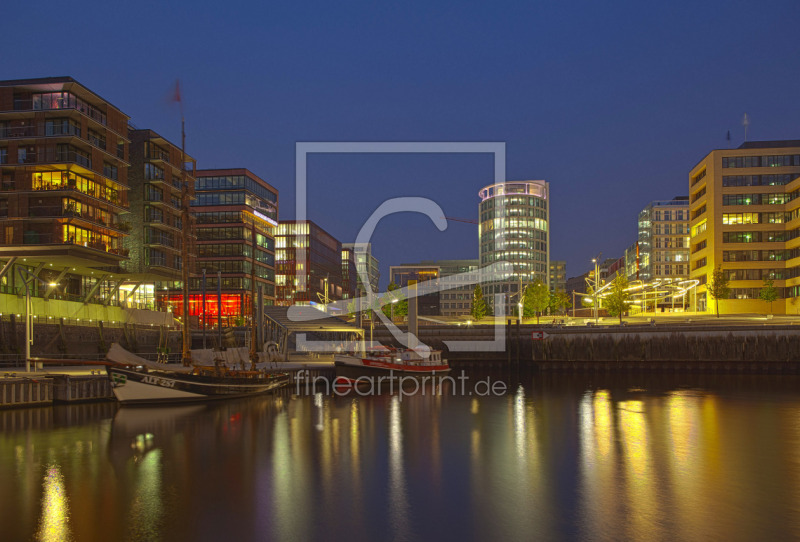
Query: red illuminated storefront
point(234, 306)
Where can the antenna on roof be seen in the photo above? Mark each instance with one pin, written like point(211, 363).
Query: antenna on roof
point(746, 124)
point(728, 137)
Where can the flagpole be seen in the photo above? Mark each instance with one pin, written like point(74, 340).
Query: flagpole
point(186, 346)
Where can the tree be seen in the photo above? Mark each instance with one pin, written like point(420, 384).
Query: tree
point(616, 302)
point(769, 292)
point(400, 306)
point(559, 302)
point(535, 299)
point(718, 287)
point(479, 306)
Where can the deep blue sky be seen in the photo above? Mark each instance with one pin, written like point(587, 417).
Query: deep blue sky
point(611, 102)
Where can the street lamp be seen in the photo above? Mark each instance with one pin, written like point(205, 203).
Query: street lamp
point(391, 308)
point(594, 290)
point(28, 315)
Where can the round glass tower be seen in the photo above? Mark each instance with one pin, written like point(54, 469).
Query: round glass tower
point(514, 228)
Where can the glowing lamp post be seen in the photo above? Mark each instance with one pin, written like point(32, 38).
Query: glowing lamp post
point(596, 285)
point(28, 315)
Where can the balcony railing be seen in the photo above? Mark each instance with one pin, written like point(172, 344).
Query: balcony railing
point(35, 237)
point(162, 240)
point(22, 104)
point(97, 142)
point(41, 130)
point(164, 156)
point(59, 156)
point(19, 131)
point(59, 212)
point(72, 156)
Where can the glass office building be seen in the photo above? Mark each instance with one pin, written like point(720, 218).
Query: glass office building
point(514, 229)
point(236, 214)
point(309, 264)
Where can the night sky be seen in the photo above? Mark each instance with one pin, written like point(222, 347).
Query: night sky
point(611, 102)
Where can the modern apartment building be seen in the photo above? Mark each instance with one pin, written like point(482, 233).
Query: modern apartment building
point(236, 214)
point(154, 243)
point(558, 275)
point(308, 264)
point(63, 191)
point(515, 228)
point(745, 219)
point(365, 262)
point(663, 240)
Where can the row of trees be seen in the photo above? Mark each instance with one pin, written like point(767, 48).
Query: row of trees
point(536, 300)
point(719, 288)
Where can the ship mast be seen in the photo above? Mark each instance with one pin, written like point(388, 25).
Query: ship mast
point(253, 304)
point(186, 355)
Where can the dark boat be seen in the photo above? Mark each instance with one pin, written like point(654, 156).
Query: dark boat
point(143, 385)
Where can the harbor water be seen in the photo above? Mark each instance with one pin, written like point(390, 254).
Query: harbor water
point(552, 457)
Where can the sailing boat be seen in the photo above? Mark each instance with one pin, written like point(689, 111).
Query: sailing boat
point(134, 380)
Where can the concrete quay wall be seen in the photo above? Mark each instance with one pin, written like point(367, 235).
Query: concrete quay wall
point(55, 341)
point(46, 390)
point(774, 348)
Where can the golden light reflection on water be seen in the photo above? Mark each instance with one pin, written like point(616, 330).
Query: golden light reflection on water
point(520, 424)
point(146, 507)
point(600, 497)
point(355, 436)
point(685, 461)
point(291, 482)
point(398, 497)
point(54, 523)
point(603, 420)
point(640, 476)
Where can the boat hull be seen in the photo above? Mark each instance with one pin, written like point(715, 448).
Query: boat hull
point(350, 369)
point(131, 386)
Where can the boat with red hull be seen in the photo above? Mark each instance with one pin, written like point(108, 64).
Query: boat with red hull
point(391, 364)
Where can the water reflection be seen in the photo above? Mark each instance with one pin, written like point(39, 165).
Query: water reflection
point(54, 524)
point(398, 499)
point(556, 458)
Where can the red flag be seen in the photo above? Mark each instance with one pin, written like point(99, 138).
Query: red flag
point(177, 96)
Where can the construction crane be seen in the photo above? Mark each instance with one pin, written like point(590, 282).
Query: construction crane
point(467, 220)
